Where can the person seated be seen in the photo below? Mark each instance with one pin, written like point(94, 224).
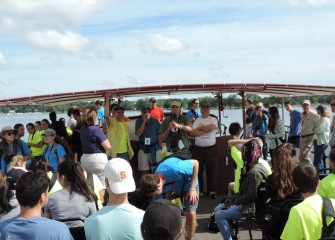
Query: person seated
point(76, 200)
point(327, 185)
point(305, 219)
point(9, 206)
point(279, 185)
point(243, 203)
point(32, 195)
point(162, 220)
point(44, 165)
point(119, 219)
point(235, 145)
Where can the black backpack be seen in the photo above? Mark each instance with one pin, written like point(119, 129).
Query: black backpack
point(328, 232)
point(211, 225)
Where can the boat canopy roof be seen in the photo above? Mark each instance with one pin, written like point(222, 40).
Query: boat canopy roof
point(279, 90)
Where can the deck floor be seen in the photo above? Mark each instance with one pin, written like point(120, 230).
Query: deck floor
point(206, 206)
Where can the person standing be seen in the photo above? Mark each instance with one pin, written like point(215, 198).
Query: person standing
point(276, 130)
point(35, 142)
point(259, 127)
point(147, 129)
point(332, 125)
point(10, 147)
point(308, 119)
point(194, 112)
point(249, 117)
point(101, 113)
point(175, 129)
point(295, 124)
point(204, 130)
point(94, 145)
point(321, 137)
point(156, 112)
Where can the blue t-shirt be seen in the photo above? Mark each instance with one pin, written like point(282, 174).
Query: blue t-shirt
point(22, 150)
point(101, 116)
point(151, 131)
point(295, 123)
point(53, 153)
point(91, 138)
point(177, 171)
point(34, 228)
point(194, 114)
point(259, 125)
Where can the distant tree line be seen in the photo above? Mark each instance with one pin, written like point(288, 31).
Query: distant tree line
point(231, 101)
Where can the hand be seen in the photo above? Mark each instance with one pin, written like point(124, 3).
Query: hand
point(192, 196)
point(108, 95)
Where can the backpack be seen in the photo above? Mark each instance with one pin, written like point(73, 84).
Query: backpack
point(328, 232)
point(274, 215)
point(211, 225)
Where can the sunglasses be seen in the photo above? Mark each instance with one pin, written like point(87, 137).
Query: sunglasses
point(10, 133)
point(332, 104)
point(120, 111)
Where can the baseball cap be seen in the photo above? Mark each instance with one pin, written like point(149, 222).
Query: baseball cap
point(162, 219)
point(145, 108)
point(306, 102)
point(175, 103)
point(152, 99)
point(120, 176)
point(49, 132)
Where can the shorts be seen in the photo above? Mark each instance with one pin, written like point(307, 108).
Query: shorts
point(187, 206)
point(144, 159)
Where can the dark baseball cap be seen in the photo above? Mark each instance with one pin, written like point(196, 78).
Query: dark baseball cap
point(162, 219)
point(118, 108)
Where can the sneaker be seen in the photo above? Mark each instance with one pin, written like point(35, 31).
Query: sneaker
point(212, 195)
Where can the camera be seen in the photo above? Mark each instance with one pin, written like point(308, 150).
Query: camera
point(148, 116)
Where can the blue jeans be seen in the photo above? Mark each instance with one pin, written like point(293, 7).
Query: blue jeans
point(222, 216)
point(319, 155)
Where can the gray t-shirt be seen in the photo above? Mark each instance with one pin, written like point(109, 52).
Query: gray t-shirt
point(62, 205)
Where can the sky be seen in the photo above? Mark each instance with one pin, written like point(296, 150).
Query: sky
point(76, 45)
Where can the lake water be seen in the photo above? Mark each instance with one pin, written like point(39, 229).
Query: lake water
point(228, 116)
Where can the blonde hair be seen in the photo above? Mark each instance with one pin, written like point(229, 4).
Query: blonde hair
point(18, 161)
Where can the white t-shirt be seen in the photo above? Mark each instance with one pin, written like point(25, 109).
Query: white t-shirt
point(208, 139)
point(71, 123)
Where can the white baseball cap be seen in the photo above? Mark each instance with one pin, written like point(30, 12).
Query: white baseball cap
point(120, 176)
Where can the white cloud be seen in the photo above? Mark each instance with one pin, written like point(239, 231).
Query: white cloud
point(49, 24)
point(3, 60)
point(162, 44)
point(65, 41)
point(313, 3)
point(67, 12)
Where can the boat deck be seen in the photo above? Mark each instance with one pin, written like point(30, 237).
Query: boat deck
point(206, 206)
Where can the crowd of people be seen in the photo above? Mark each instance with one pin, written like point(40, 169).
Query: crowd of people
point(77, 173)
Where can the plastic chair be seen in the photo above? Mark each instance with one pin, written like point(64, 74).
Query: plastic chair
point(78, 233)
point(259, 203)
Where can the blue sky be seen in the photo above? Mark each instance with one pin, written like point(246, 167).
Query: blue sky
point(75, 45)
